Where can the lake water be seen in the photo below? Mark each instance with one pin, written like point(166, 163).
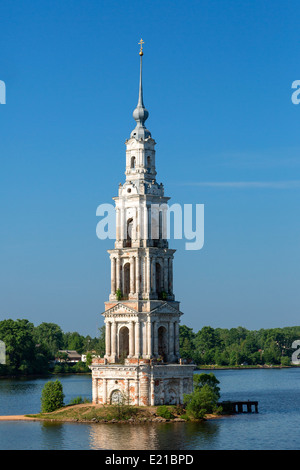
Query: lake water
point(274, 427)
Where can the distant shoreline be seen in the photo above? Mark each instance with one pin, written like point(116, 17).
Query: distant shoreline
point(197, 367)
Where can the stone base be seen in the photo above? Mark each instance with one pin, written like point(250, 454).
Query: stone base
point(142, 384)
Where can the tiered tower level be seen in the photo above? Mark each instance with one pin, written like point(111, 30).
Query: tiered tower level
point(142, 316)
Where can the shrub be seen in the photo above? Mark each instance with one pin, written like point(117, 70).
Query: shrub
point(52, 396)
point(285, 361)
point(119, 294)
point(205, 397)
point(164, 412)
point(79, 400)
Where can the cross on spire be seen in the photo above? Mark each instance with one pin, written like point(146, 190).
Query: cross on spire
point(141, 44)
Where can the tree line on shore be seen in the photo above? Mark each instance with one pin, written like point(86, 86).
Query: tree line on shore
point(238, 346)
point(30, 349)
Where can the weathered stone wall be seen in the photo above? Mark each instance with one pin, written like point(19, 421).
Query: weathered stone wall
point(142, 384)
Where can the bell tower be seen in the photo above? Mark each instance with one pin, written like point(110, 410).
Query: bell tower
point(142, 316)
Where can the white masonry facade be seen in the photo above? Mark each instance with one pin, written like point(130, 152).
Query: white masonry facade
point(142, 317)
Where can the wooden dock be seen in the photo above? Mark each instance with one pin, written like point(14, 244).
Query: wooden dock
point(233, 407)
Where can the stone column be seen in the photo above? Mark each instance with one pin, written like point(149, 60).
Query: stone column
point(132, 286)
point(152, 395)
point(114, 340)
point(104, 390)
point(166, 275)
point(131, 339)
point(153, 277)
point(137, 392)
point(118, 274)
point(139, 226)
point(144, 338)
point(95, 390)
point(155, 339)
point(145, 231)
point(171, 340)
point(137, 339)
point(118, 232)
point(149, 345)
point(171, 275)
point(122, 223)
point(137, 274)
point(177, 338)
point(113, 275)
point(107, 338)
point(148, 269)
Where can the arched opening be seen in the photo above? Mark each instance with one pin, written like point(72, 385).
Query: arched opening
point(158, 279)
point(171, 398)
point(132, 162)
point(126, 289)
point(149, 162)
point(162, 342)
point(123, 342)
point(129, 232)
point(116, 397)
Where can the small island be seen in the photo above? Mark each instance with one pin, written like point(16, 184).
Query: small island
point(201, 404)
point(90, 413)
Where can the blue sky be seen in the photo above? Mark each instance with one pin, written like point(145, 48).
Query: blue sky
point(217, 84)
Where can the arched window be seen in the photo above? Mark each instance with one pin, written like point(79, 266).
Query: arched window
point(129, 232)
point(126, 279)
point(123, 342)
point(116, 397)
point(162, 342)
point(132, 162)
point(148, 162)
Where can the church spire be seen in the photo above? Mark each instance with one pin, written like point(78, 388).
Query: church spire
point(140, 114)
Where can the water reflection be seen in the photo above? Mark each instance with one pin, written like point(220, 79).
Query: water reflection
point(53, 435)
point(152, 436)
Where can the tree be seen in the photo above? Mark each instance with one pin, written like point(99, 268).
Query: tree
point(20, 346)
point(49, 336)
point(74, 341)
point(186, 341)
point(201, 402)
point(100, 348)
point(204, 398)
point(52, 396)
point(207, 379)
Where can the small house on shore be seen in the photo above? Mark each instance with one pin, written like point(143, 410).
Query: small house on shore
point(68, 356)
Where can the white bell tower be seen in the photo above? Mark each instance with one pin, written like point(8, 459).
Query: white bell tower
point(142, 317)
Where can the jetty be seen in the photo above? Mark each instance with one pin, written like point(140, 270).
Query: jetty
point(233, 407)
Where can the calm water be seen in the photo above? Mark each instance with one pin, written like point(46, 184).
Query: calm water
point(274, 427)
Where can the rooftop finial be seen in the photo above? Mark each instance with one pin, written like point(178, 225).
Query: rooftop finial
point(141, 49)
point(140, 114)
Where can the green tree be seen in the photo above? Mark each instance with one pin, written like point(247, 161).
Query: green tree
point(49, 336)
point(89, 359)
point(207, 379)
point(20, 346)
point(204, 398)
point(100, 348)
point(52, 396)
point(206, 342)
point(186, 341)
point(74, 341)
